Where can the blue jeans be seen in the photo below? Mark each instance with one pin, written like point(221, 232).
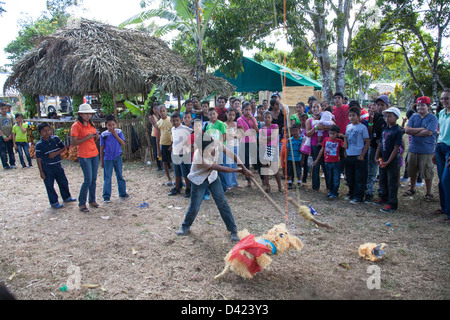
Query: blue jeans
point(229, 179)
point(197, 193)
point(55, 173)
point(355, 171)
point(22, 148)
point(7, 150)
point(442, 154)
point(89, 166)
point(108, 167)
point(333, 176)
point(372, 170)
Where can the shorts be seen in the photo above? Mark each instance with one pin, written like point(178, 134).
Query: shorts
point(420, 162)
point(165, 153)
point(181, 169)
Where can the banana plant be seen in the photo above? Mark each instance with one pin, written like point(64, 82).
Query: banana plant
point(187, 16)
point(139, 110)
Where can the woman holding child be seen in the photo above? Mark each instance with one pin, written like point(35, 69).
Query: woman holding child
point(312, 133)
point(84, 135)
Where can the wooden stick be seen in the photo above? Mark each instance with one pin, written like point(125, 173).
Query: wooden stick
point(317, 222)
point(321, 224)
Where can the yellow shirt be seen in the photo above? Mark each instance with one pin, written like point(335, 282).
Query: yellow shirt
point(165, 126)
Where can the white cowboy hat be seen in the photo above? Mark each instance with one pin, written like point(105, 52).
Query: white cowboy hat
point(86, 108)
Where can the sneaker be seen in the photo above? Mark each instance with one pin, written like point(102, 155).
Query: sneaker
point(206, 197)
point(169, 183)
point(174, 191)
point(388, 209)
point(234, 237)
point(299, 184)
point(419, 184)
point(125, 196)
point(347, 198)
point(106, 200)
point(379, 201)
point(404, 179)
point(187, 193)
point(7, 168)
point(289, 186)
point(368, 199)
point(70, 200)
point(182, 231)
point(13, 167)
point(332, 197)
point(57, 206)
point(355, 201)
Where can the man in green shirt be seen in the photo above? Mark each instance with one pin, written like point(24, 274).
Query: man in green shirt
point(6, 140)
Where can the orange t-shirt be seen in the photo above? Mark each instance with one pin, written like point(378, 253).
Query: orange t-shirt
point(87, 149)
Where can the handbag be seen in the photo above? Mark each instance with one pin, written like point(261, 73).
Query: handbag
point(305, 147)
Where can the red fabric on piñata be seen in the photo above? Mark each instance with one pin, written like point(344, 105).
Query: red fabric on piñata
point(251, 246)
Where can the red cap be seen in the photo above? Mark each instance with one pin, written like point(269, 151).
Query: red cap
point(425, 100)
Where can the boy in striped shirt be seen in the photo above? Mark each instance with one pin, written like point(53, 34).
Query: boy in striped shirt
point(48, 158)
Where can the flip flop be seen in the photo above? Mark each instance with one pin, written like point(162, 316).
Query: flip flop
point(428, 198)
point(83, 209)
point(409, 193)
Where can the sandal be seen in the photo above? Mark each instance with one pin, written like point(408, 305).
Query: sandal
point(83, 209)
point(409, 193)
point(428, 198)
point(93, 204)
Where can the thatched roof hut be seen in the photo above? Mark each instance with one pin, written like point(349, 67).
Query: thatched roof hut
point(88, 57)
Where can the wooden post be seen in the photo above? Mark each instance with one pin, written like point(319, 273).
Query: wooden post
point(115, 109)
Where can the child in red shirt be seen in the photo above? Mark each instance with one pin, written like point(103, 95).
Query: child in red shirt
point(331, 146)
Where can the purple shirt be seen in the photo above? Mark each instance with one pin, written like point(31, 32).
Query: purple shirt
point(112, 148)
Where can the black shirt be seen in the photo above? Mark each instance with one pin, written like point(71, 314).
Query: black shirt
point(378, 125)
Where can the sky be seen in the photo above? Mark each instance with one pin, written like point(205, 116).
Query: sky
point(112, 12)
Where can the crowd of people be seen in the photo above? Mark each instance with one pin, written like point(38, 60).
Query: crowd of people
point(336, 141)
point(341, 142)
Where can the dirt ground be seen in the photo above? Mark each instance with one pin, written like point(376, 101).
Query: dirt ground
point(126, 251)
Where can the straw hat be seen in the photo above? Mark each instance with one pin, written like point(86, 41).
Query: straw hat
point(86, 108)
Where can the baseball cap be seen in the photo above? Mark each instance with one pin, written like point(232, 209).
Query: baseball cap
point(393, 110)
point(383, 98)
point(425, 100)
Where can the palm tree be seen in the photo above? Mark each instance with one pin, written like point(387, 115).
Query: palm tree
point(187, 16)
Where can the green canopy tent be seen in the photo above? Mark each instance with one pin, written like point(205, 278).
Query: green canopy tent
point(267, 76)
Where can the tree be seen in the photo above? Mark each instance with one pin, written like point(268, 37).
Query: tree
point(186, 16)
point(406, 28)
point(31, 31)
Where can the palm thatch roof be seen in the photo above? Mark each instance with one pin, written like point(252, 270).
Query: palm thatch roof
point(88, 57)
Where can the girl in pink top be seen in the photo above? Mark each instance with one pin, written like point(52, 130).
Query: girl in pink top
point(247, 124)
point(268, 144)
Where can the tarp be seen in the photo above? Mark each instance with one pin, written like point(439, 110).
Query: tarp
point(267, 76)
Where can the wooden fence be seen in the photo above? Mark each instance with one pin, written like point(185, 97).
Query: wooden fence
point(137, 146)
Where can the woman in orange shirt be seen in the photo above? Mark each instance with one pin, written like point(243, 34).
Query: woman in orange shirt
point(84, 135)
